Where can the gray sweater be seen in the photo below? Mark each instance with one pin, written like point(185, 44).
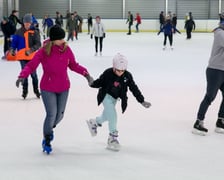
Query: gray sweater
point(216, 60)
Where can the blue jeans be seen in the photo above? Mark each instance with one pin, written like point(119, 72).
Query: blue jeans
point(215, 82)
point(33, 76)
point(109, 113)
point(54, 104)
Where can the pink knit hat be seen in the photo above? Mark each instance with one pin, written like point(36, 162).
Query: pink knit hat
point(120, 62)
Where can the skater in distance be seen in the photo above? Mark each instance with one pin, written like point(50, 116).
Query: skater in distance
point(215, 82)
point(168, 29)
point(56, 58)
point(113, 84)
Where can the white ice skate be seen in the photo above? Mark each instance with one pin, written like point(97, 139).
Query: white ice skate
point(113, 143)
point(92, 126)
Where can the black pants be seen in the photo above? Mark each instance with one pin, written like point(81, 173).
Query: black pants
point(33, 76)
point(188, 31)
point(215, 82)
point(96, 43)
point(6, 44)
point(170, 37)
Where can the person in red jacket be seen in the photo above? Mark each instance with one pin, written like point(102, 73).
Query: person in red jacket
point(56, 58)
point(138, 20)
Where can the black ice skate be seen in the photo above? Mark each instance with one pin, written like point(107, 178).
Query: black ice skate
point(220, 125)
point(199, 128)
point(24, 94)
point(36, 91)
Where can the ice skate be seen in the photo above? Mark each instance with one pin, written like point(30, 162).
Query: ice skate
point(199, 128)
point(92, 124)
point(95, 54)
point(24, 94)
point(46, 143)
point(164, 48)
point(220, 126)
point(113, 143)
point(37, 93)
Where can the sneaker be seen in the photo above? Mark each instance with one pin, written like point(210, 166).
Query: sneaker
point(220, 125)
point(92, 124)
point(199, 128)
point(36, 91)
point(112, 142)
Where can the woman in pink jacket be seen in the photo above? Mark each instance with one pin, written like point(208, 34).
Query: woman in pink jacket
point(56, 57)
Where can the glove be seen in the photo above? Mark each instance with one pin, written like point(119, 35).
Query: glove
point(89, 79)
point(91, 36)
point(18, 81)
point(28, 52)
point(104, 35)
point(12, 52)
point(146, 104)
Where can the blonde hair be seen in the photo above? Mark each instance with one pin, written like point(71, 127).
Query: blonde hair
point(49, 45)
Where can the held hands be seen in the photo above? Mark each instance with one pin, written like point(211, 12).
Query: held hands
point(89, 79)
point(19, 81)
point(146, 104)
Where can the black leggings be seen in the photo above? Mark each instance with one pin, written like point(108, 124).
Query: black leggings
point(96, 43)
point(215, 82)
point(170, 39)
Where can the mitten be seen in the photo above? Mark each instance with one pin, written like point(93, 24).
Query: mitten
point(146, 104)
point(89, 79)
point(18, 81)
point(91, 36)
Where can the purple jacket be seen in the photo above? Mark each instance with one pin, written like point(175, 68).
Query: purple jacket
point(55, 77)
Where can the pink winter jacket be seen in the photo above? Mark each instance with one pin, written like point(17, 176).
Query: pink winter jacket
point(55, 77)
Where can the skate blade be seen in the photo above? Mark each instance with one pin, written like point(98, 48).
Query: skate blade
point(219, 130)
point(113, 148)
point(197, 132)
point(90, 128)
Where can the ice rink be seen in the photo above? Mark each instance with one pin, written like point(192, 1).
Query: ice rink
point(157, 143)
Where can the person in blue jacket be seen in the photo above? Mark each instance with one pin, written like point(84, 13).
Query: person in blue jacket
point(168, 29)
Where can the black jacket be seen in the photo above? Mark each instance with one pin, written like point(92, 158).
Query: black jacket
point(106, 82)
point(8, 29)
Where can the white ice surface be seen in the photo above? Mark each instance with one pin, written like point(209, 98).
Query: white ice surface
point(157, 143)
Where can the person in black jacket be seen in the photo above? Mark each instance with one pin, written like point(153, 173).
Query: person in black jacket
point(189, 26)
point(130, 22)
point(14, 19)
point(8, 29)
point(113, 84)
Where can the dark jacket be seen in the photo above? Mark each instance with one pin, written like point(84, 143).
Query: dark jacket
point(189, 24)
point(106, 84)
point(8, 29)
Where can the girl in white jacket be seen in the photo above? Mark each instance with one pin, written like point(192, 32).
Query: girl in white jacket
point(99, 33)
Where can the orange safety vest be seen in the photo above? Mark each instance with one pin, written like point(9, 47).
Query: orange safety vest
point(20, 55)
